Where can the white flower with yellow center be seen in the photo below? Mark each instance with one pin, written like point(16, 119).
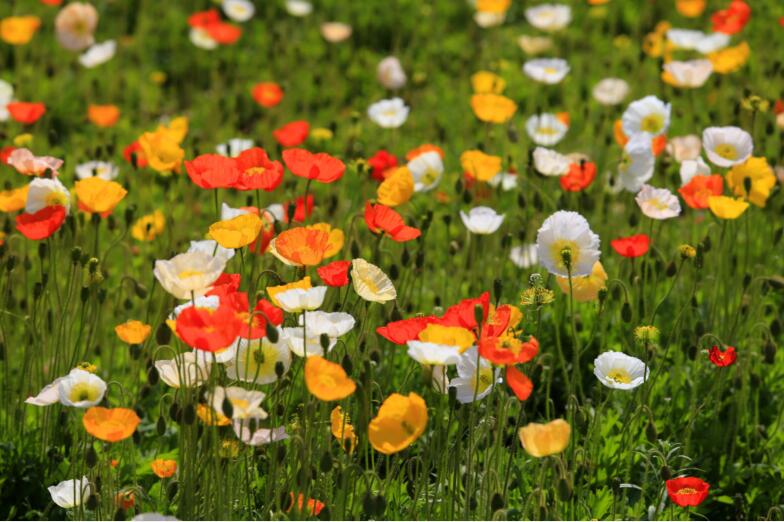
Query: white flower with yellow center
point(69, 494)
point(301, 347)
point(658, 203)
point(426, 169)
point(238, 10)
point(637, 163)
point(44, 192)
point(545, 129)
point(185, 370)
point(433, 354)
point(726, 146)
point(691, 73)
point(98, 169)
point(298, 300)
point(472, 384)
point(549, 17)
point(245, 404)
point(611, 91)
point(546, 70)
point(256, 360)
point(81, 389)
point(202, 39)
point(482, 220)
point(620, 371)
point(649, 115)
point(389, 114)
point(683, 148)
point(548, 162)
point(299, 8)
point(371, 283)
point(189, 274)
point(565, 243)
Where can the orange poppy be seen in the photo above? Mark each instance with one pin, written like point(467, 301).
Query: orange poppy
point(133, 332)
point(256, 171)
point(164, 468)
point(303, 245)
point(110, 424)
point(326, 380)
point(26, 112)
point(292, 134)
point(381, 219)
point(224, 33)
point(103, 115)
point(699, 190)
point(267, 94)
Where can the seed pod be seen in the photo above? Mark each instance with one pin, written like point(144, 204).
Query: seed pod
point(626, 312)
point(90, 457)
point(163, 334)
point(171, 490)
point(189, 414)
point(347, 365)
point(325, 464)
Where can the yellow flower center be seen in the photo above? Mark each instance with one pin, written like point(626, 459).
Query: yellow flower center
point(83, 392)
point(550, 70)
point(657, 204)
point(255, 171)
point(557, 250)
point(687, 491)
point(241, 403)
point(185, 274)
point(55, 198)
point(620, 376)
point(547, 131)
point(727, 151)
point(652, 123)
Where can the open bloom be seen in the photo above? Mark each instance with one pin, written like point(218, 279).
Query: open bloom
point(98, 54)
point(691, 73)
point(649, 115)
point(727, 146)
point(637, 163)
point(700, 189)
point(390, 73)
point(687, 491)
point(133, 332)
point(164, 468)
point(25, 162)
point(733, 19)
point(541, 440)
point(41, 224)
point(334, 273)
point(482, 220)
point(550, 163)
point(326, 380)
point(472, 383)
point(620, 371)
point(259, 437)
point(238, 10)
point(236, 232)
point(371, 283)
point(524, 256)
point(75, 25)
point(493, 108)
point(400, 421)
point(19, 30)
point(484, 82)
point(208, 329)
point(99, 169)
point(319, 167)
point(26, 113)
point(69, 494)
point(758, 175)
point(188, 274)
point(307, 246)
point(245, 404)
point(335, 32)
point(298, 300)
point(549, 17)
point(725, 207)
point(110, 424)
point(611, 91)
point(397, 188)
point(98, 195)
point(546, 70)
point(389, 114)
point(185, 370)
point(480, 166)
point(721, 357)
point(578, 177)
point(292, 134)
point(691, 168)
point(566, 245)
point(267, 94)
point(658, 203)
point(44, 192)
point(507, 349)
point(545, 129)
point(213, 171)
point(632, 246)
point(384, 220)
point(81, 389)
point(256, 171)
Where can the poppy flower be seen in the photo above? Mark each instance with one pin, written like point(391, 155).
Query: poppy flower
point(254, 325)
point(19, 30)
point(292, 134)
point(267, 94)
point(5, 153)
point(733, 19)
point(690, 8)
point(579, 176)
point(13, 199)
point(41, 224)
point(133, 332)
point(632, 246)
point(302, 211)
point(326, 380)
point(236, 232)
point(213, 171)
point(306, 246)
point(381, 219)
point(400, 332)
point(722, 358)
point(206, 329)
point(26, 113)
point(541, 440)
point(700, 188)
point(320, 167)
point(687, 491)
point(223, 33)
point(341, 428)
point(103, 115)
point(134, 155)
point(204, 18)
point(164, 468)
point(256, 171)
point(479, 165)
point(110, 424)
point(463, 313)
point(97, 195)
point(724, 207)
point(507, 349)
point(519, 382)
point(125, 500)
point(397, 188)
point(493, 108)
point(499, 320)
point(225, 284)
point(400, 421)
point(334, 273)
point(162, 151)
point(423, 149)
point(314, 506)
point(53, 3)
point(381, 162)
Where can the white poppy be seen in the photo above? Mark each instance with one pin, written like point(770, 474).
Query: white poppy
point(246, 404)
point(524, 256)
point(44, 192)
point(202, 39)
point(69, 494)
point(212, 248)
point(371, 283)
point(545, 129)
point(189, 274)
point(185, 370)
point(649, 115)
point(390, 73)
point(433, 354)
point(48, 395)
point(234, 147)
point(81, 389)
point(295, 339)
point(546, 70)
point(685, 39)
point(98, 54)
point(332, 324)
point(620, 371)
point(256, 360)
point(683, 148)
point(637, 162)
point(550, 163)
point(533, 45)
point(277, 211)
point(482, 220)
point(98, 169)
point(658, 203)
point(389, 114)
point(259, 437)
point(691, 73)
point(6, 97)
point(472, 384)
point(712, 42)
point(506, 180)
point(238, 10)
point(298, 300)
point(727, 146)
point(691, 168)
point(567, 233)
point(298, 8)
point(228, 212)
point(611, 91)
point(426, 169)
point(549, 17)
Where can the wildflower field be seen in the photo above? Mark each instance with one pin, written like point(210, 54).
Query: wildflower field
point(330, 259)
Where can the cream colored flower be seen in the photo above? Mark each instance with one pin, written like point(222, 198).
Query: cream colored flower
point(390, 73)
point(371, 283)
point(683, 148)
point(549, 17)
point(75, 25)
point(257, 359)
point(188, 274)
point(611, 91)
point(246, 404)
point(298, 300)
point(534, 45)
point(185, 370)
point(335, 32)
point(550, 163)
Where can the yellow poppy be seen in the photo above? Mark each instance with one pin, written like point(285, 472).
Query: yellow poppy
point(397, 188)
point(340, 425)
point(148, 227)
point(479, 165)
point(133, 332)
point(485, 82)
point(162, 150)
point(730, 59)
point(725, 207)
point(400, 421)
point(447, 335)
point(690, 8)
point(14, 199)
point(760, 176)
point(211, 417)
point(541, 440)
point(99, 195)
point(493, 108)
point(493, 6)
point(236, 232)
point(326, 380)
point(585, 288)
point(19, 30)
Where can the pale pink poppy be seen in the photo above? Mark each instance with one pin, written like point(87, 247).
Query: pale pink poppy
point(25, 162)
point(75, 26)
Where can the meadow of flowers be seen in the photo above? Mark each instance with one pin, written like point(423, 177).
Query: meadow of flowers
point(484, 259)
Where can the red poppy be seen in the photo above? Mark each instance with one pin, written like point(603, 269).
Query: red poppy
point(301, 211)
point(314, 506)
point(207, 329)
point(223, 33)
point(41, 224)
point(319, 167)
point(225, 284)
point(213, 171)
point(463, 315)
point(26, 112)
point(725, 358)
point(508, 350)
point(292, 134)
point(53, 3)
point(253, 325)
point(579, 177)
point(5, 152)
point(381, 162)
point(519, 382)
point(781, 21)
point(267, 94)
point(733, 19)
point(204, 18)
point(334, 273)
point(497, 323)
point(381, 219)
point(778, 107)
point(135, 150)
point(257, 171)
point(400, 332)
point(632, 246)
point(687, 491)
point(700, 188)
